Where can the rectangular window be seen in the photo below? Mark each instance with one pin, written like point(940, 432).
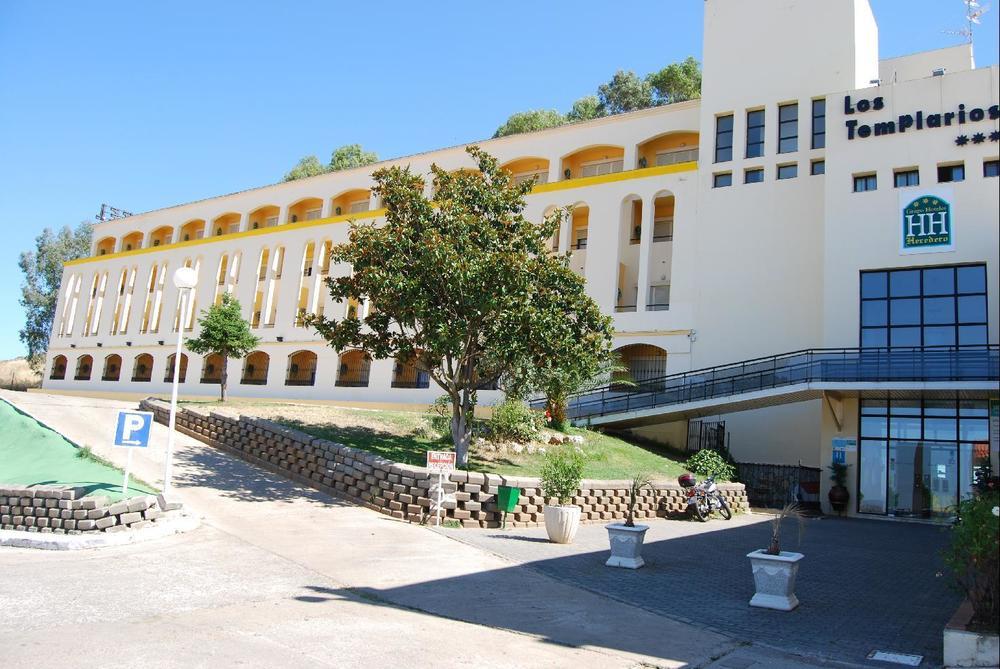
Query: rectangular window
point(789, 171)
point(674, 157)
point(722, 179)
point(755, 133)
point(949, 173)
point(991, 168)
point(753, 176)
point(817, 167)
point(906, 178)
point(865, 182)
point(601, 167)
point(724, 138)
point(788, 128)
point(819, 124)
point(663, 230)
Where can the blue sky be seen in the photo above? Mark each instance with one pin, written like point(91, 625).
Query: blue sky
point(145, 105)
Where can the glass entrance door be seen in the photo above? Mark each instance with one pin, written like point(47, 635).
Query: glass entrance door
point(923, 479)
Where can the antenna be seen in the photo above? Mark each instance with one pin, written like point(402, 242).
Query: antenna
point(109, 213)
point(973, 15)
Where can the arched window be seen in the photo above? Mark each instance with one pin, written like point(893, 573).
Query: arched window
point(112, 368)
point(255, 368)
point(211, 369)
point(142, 369)
point(83, 366)
point(408, 374)
point(58, 372)
point(301, 369)
point(645, 364)
point(168, 376)
point(354, 369)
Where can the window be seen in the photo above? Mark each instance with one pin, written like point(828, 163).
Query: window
point(313, 214)
point(724, 138)
point(949, 173)
point(659, 298)
point(817, 167)
point(602, 167)
point(755, 133)
point(865, 182)
point(991, 168)
point(675, 156)
point(663, 230)
point(753, 176)
point(789, 171)
point(905, 178)
point(819, 124)
point(722, 179)
point(788, 128)
point(933, 306)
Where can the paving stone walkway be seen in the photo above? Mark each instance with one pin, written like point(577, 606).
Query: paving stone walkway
point(864, 584)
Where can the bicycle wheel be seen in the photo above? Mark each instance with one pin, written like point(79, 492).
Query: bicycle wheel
point(702, 510)
point(724, 508)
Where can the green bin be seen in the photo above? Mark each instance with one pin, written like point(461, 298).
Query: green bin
point(507, 501)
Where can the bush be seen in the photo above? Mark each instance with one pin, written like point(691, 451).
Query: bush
point(973, 557)
point(515, 421)
point(562, 471)
point(440, 417)
point(707, 462)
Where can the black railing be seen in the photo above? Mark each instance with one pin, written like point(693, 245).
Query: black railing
point(352, 384)
point(419, 383)
point(835, 365)
point(624, 308)
point(253, 382)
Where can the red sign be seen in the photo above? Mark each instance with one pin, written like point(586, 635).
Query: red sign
point(440, 461)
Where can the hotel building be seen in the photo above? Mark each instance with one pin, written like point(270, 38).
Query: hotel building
point(809, 253)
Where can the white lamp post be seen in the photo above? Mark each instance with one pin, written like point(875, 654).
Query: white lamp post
point(185, 279)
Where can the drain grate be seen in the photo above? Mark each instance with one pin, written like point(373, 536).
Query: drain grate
point(896, 658)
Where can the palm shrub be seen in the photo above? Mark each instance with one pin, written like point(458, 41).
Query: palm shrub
point(973, 557)
point(790, 510)
point(639, 483)
point(707, 462)
point(562, 471)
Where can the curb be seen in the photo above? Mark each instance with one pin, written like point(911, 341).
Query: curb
point(72, 542)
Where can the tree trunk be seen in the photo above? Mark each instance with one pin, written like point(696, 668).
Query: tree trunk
point(557, 411)
point(461, 434)
point(225, 377)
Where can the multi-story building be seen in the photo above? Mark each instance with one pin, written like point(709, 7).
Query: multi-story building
point(814, 199)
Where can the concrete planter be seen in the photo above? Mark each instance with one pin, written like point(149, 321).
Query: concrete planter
point(965, 648)
point(626, 545)
point(561, 522)
point(774, 577)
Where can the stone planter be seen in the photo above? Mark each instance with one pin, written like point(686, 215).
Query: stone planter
point(561, 522)
point(774, 577)
point(626, 545)
point(966, 648)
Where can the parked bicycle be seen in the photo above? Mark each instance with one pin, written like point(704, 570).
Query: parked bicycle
point(704, 498)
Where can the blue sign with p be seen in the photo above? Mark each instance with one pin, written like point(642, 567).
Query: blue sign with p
point(133, 428)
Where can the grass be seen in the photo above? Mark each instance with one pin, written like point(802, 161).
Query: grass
point(406, 436)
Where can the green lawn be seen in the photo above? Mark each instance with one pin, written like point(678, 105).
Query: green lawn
point(406, 436)
point(32, 454)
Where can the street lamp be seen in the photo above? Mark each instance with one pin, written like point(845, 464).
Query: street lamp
point(185, 279)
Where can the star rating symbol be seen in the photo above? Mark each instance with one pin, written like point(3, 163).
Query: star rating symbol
point(962, 140)
point(978, 138)
point(995, 136)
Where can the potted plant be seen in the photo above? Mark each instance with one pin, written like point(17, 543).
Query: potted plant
point(626, 538)
point(562, 471)
point(774, 570)
point(838, 495)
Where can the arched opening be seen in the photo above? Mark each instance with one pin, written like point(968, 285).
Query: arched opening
point(593, 161)
point(629, 236)
point(161, 236)
point(579, 231)
point(105, 246)
point(351, 202)
point(83, 366)
point(354, 369)
point(556, 237)
point(661, 253)
point(192, 230)
point(263, 217)
point(142, 369)
point(132, 241)
point(112, 368)
point(226, 224)
point(528, 169)
point(645, 363)
point(211, 368)
point(255, 369)
point(301, 369)
point(672, 148)
point(58, 372)
point(168, 376)
point(408, 374)
point(309, 209)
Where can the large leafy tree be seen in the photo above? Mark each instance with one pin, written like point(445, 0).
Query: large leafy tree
point(463, 286)
point(677, 82)
point(350, 156)
point(529, 121)
point(225, 332)
point(42, 268)
point(585, 109)
point(307, 167)
point(624, 93)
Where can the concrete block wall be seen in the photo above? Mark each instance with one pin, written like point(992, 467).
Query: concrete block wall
point(408, 492)
point(56, 510)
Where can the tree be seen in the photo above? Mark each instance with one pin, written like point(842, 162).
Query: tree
point(225, 332)
point(585, 109)
point(463, 285)
point(529, 121)
point(624, 93)
point(350, 156)
point(307, 167)
point(677, 82)
point(43, 269)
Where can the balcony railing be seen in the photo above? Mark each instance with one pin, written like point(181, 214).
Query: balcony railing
point(363, 383)
point(658, 307)
point(419, 383)
point(253, 382)
point(624, 308)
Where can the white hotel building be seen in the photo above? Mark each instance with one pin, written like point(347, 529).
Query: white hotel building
point(815, 201)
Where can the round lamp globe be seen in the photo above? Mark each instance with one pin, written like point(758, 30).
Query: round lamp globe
point(185, 277)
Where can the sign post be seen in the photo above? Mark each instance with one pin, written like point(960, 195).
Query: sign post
point(442, 462)
point(132, 431)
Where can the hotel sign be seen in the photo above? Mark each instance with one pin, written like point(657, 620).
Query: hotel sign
point(926, 222)
point(918, 120)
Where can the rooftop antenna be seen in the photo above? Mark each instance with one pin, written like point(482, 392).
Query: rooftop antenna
point(109, 213)
point(973, 15)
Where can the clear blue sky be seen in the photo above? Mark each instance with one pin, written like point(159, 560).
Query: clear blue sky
point(144, 105)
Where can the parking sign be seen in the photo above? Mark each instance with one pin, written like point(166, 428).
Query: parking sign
point(133, 428)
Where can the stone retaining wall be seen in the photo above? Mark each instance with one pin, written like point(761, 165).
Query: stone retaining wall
point(405, 491)
point(57, 510)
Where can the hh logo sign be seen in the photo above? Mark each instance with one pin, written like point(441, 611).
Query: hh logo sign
point(927, 224)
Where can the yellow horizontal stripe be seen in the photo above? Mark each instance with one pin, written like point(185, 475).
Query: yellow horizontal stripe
point(541, 188)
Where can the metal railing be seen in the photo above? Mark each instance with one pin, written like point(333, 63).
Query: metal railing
point(832, 365)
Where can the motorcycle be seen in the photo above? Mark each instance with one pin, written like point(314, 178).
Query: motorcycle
point(704, 498)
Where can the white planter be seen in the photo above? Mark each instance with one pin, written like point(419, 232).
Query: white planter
point(561, 522)
point(964, 648)
point(774, 577)
point(626, 545)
